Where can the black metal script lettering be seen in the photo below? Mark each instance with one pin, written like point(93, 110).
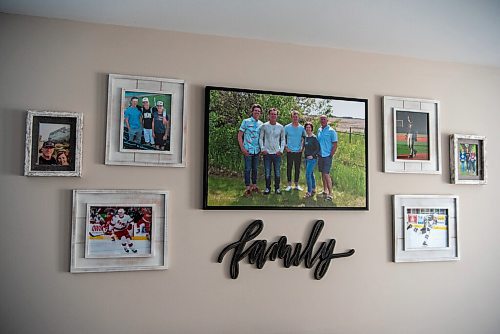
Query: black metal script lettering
point(259, 252)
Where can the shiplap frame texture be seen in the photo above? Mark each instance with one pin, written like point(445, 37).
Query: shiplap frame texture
point(433, 165)
point(450, 202)
point(159, 244)
point(178, 121)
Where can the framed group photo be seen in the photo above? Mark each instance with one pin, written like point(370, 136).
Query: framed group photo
point(425, 228)
point(411, 135)
point(119, 230)
point(279, 150)
point(145, 121)
point(53, 143)
point(468, 159)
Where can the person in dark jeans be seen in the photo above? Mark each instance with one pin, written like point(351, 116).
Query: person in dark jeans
point(294, 135)
point(272, 144)
point(248, 139)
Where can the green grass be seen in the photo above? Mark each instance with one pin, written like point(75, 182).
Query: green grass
point(228, 191)
point(403, 149)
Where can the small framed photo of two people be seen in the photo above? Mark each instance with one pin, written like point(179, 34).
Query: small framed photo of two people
point(53, 143)
point(281, 151)
point(468, 159)
point(145, 121)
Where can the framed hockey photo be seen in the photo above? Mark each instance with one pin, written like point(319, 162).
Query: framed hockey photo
point(425, 228)
point(119, 230)
point(145, 121)
point(468, 159)
point(268, 150)
point(53, 143)
point(411, 135)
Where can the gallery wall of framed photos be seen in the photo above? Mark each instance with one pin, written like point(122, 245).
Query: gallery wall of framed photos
point(440, 123)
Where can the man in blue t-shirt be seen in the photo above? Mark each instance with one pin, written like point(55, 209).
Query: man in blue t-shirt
point(248, 139)
point(133, 121)
point(294, 136)
point(327, 138)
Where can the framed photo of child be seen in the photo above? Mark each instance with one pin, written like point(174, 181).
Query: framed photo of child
point(53, 143)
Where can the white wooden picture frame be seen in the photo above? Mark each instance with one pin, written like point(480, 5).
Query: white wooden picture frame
point(115, 153)
point(394, 162)
point(119, 254)
point(425, 228)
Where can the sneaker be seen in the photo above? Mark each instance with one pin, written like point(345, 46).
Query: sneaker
point(126, 250)
point(134, 250)
point(307, 195)
point(328, 197)
point(288, 188)
point(278, 192)
point(299, 188)
point(267, 191)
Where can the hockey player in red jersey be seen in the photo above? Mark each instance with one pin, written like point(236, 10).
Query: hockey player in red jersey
point(120, 226)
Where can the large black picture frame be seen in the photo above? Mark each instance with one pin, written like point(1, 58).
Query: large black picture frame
point(224, 185)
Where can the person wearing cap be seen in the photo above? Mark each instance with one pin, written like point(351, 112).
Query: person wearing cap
point(147, 121)
point(160, 125)
point(47, 151)
point(133, 121)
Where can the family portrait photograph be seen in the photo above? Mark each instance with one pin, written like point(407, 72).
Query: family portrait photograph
point(53, 144)
point(278, 150)
point(412, 135)
point(146, 121)
point(118, 231)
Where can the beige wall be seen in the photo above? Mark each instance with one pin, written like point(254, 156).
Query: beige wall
point(61, 65)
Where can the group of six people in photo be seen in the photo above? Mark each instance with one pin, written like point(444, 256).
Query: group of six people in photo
point(272, 141)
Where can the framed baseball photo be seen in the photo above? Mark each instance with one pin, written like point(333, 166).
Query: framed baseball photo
point(411, 135)
point(53, 143)
point(145, 121)
point(425, 228)
point(119, 230)
point(468, 159)
point(282, 151)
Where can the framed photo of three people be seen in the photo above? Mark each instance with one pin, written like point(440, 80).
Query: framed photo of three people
point(281, 151)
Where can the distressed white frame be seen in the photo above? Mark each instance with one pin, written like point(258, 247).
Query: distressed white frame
point(450, 253)
point(159, 235)
point(29, 143)
point(455, 140)
point(114, 156)
point(391, 165)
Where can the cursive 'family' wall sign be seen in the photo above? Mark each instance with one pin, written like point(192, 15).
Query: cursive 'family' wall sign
point(258, 252)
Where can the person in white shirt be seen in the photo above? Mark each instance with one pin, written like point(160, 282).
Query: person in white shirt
point(272, 145)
